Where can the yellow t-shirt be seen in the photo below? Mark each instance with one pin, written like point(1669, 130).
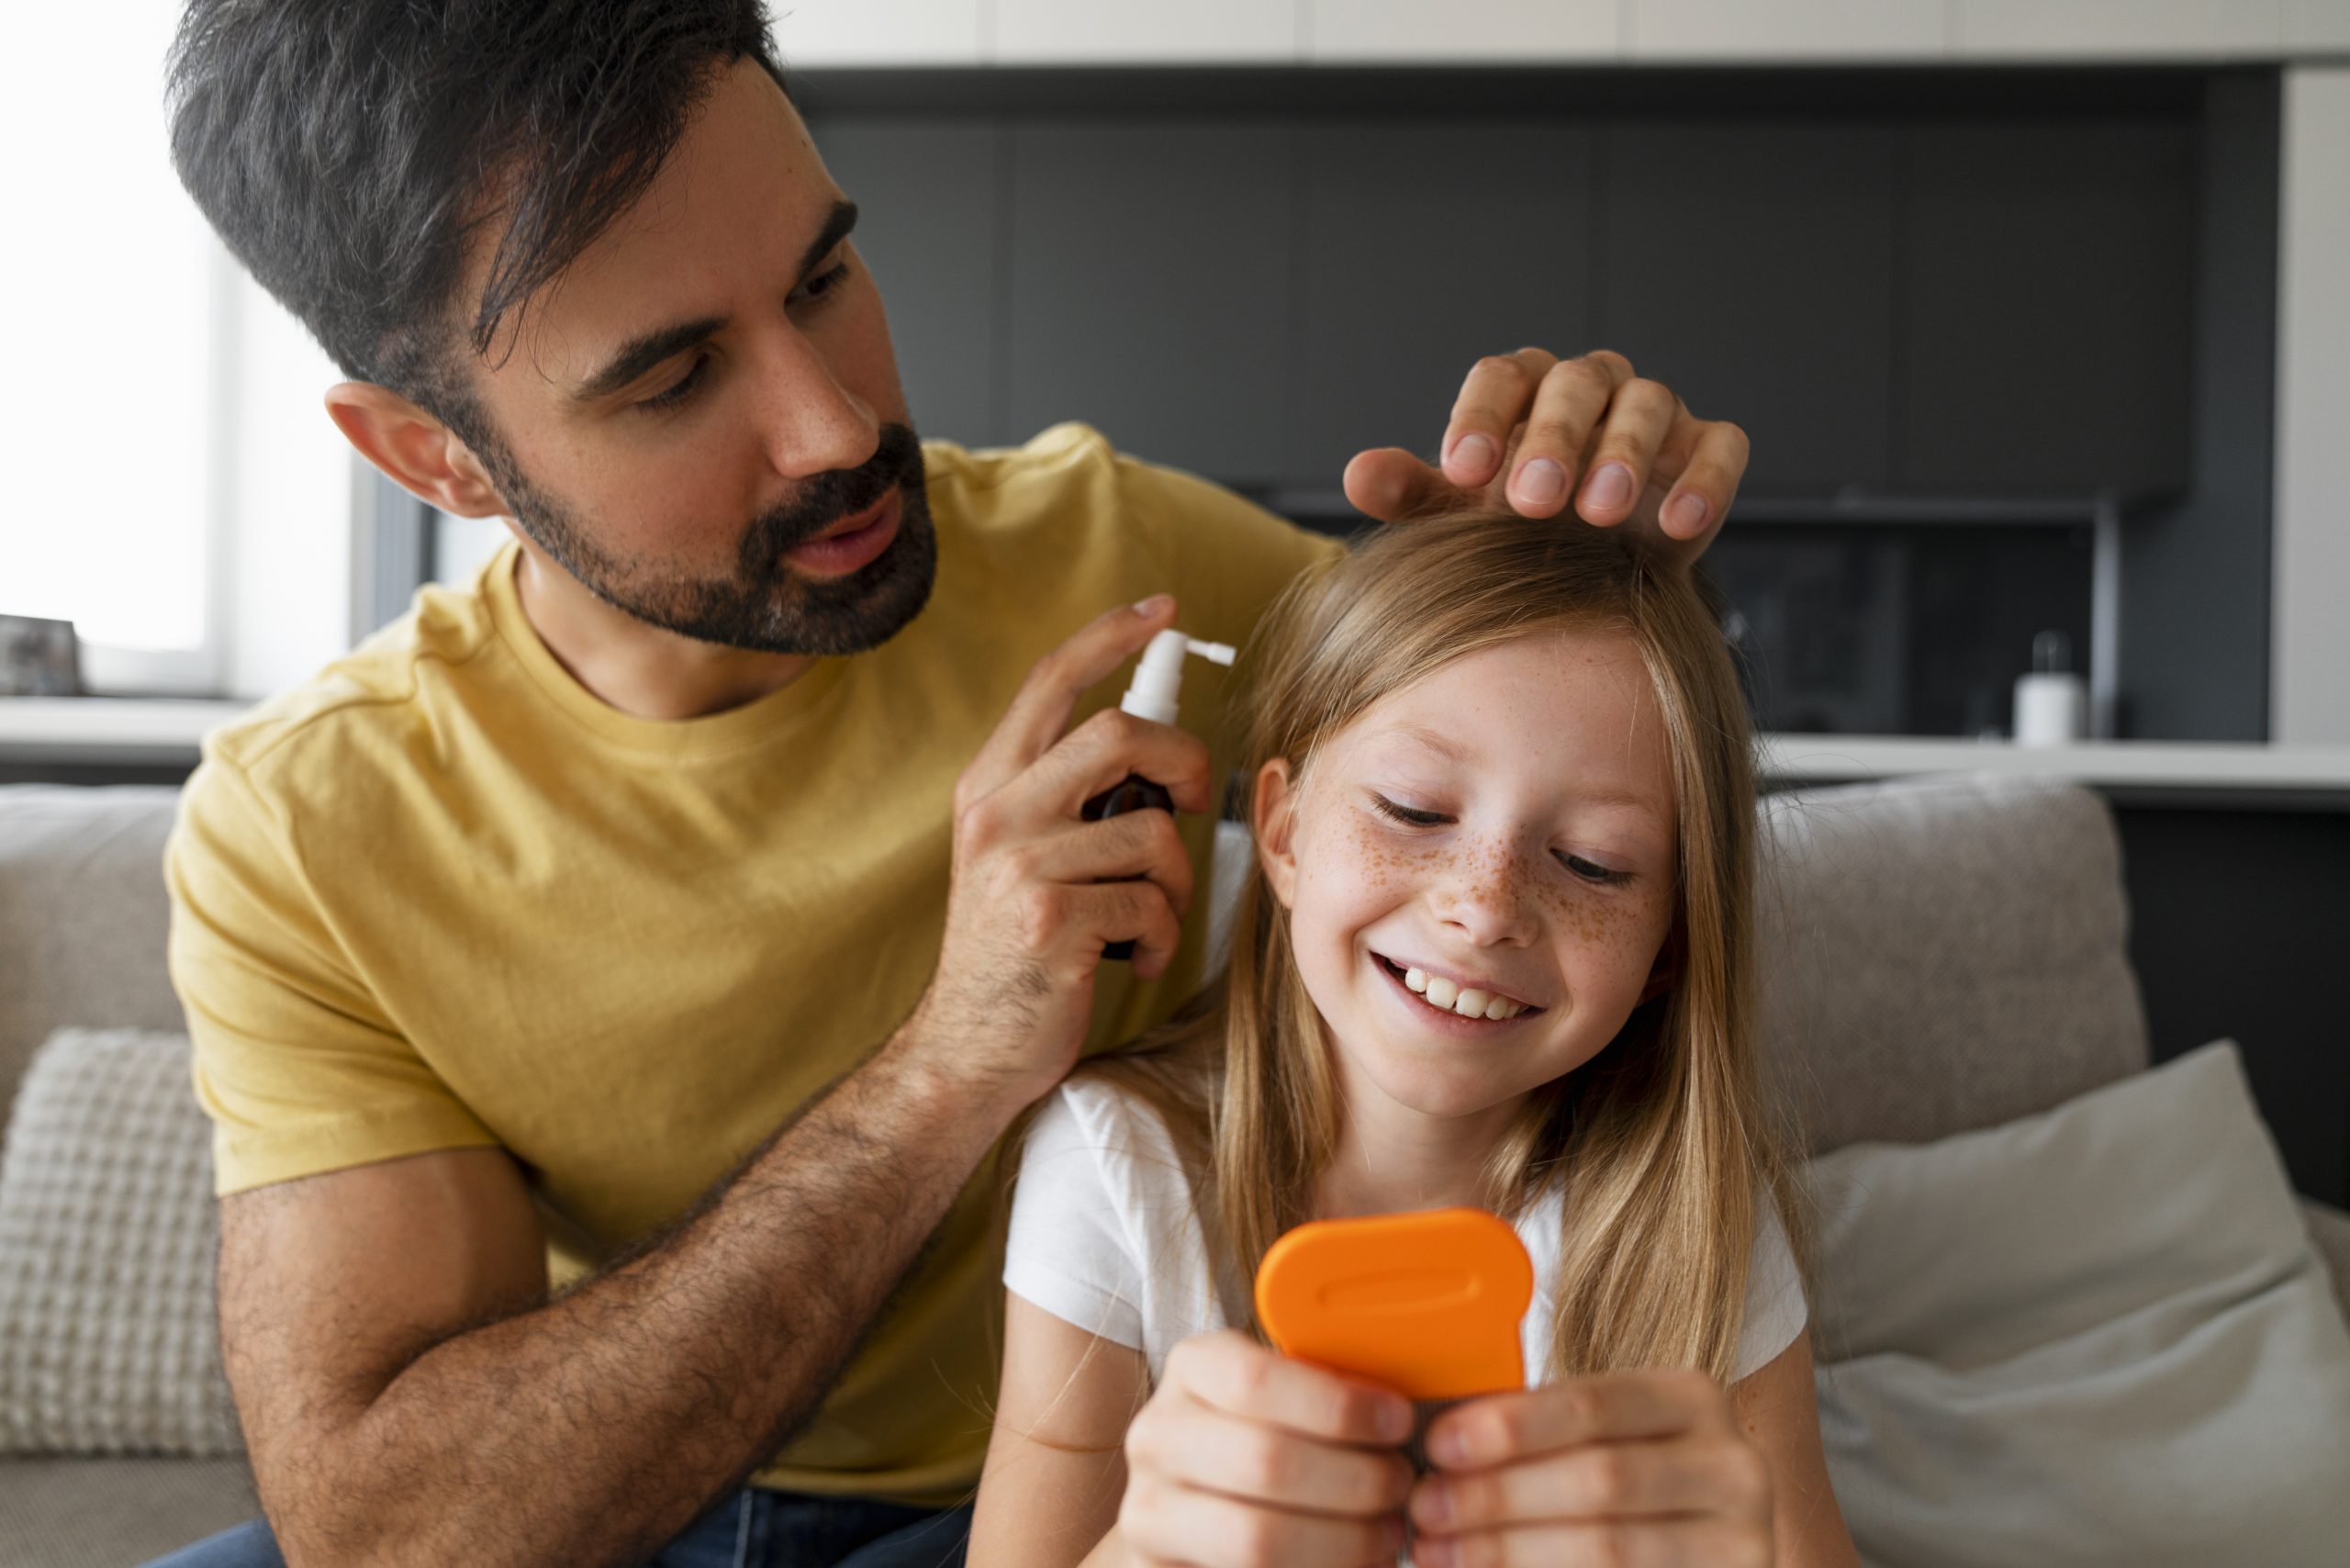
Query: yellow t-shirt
point(442, 896)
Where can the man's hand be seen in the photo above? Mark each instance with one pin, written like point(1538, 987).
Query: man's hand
point(1038, 891)
point(1245, 1458)
point(1531, 429)
point(1644, 1467)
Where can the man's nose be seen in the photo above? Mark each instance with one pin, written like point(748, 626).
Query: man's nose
point(811, 422)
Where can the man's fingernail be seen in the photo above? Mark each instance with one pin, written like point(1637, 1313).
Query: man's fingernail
point(1609, 488)
point(1541, 482)
point(1686, 514)
point(1474, 452)
point(1153, 605)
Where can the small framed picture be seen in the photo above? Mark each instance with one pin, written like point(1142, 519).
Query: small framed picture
point(37, 658)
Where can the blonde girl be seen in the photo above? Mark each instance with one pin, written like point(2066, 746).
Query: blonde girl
point(1495, 947)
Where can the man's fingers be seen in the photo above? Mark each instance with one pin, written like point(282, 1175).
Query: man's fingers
point(1565, 411)
point(1040, 710)
point(1113, 743)
point(1624, 452)
point(1134, 845)
point(1494, 399)
point(1610, 1407)
point(1135, 912)
point(1230, 1371)
point(1703, 460)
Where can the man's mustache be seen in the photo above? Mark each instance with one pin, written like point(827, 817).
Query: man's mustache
point(828, 498)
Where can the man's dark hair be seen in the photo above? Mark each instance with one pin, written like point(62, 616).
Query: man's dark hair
point(349, 150)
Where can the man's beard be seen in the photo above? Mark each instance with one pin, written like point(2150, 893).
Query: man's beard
point(762, 604)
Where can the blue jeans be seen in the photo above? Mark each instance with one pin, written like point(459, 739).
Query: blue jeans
point(754, 1528)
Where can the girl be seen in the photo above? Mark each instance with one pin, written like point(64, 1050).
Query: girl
point(1493, 949)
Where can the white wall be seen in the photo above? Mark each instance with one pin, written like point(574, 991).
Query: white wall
point(2309, 691)
point(816, 33)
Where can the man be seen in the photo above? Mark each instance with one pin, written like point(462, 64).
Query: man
point(611, 983)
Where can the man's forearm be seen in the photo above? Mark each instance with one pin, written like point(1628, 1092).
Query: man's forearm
point(593, 1429)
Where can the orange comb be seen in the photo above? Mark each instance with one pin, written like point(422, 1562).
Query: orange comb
point(1424, 1304)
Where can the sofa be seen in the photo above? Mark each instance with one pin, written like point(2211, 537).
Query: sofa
point(1940, 958)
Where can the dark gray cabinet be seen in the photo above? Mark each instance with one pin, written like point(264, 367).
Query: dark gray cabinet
point(1750, 268)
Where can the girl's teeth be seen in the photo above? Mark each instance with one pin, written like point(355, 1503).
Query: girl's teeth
point(1470, 1003)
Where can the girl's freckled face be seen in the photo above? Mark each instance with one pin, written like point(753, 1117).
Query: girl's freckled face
point(1506, 823)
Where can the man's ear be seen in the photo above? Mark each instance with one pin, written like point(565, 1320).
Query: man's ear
point(419, 453)
point(1272, 823)
point(1667, 967)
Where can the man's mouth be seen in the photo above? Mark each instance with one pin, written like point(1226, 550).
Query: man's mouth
point(850, 543)
point(1447, 994)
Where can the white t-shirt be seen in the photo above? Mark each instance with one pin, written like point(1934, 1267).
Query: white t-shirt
point(1105, 1237)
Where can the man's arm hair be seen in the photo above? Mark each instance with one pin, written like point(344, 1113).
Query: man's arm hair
point(410, 1396)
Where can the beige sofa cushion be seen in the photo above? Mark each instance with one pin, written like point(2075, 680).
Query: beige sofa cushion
point(2090, 1336)
point(1943, 954)
point(107, 1339)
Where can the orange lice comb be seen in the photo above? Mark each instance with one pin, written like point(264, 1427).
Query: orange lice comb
point(1426, 1304)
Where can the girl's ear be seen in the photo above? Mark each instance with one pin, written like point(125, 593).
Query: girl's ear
point(1667, 967)
point(1272, 821)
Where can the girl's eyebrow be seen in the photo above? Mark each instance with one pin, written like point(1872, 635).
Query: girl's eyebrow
point(1603, 795)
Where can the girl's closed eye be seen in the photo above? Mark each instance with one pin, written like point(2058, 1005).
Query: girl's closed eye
point(1588, 870)
point(1412, 816)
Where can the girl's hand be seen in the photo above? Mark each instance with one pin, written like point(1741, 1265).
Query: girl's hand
point(1643, 1469)
point(1245, 1458)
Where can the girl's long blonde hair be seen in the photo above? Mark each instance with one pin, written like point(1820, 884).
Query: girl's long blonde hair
point(1662, 1144)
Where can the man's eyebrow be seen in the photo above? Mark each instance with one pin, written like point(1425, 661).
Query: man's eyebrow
point(644, 351)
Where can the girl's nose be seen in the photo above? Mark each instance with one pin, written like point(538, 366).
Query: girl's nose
point(1487, 905)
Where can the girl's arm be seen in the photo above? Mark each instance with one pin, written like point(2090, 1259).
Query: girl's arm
point(1057, 1466)
point(1777, 1409)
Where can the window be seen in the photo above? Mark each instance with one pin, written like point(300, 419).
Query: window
point(174, 490)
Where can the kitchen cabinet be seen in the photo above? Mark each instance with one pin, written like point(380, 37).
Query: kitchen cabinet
point(930, 199)
point(1401, 287)
point(2045, 307)
point(1753, 274)
point(1152, 285)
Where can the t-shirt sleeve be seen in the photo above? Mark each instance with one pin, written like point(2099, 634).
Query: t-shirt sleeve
point(1775, 1309)
point(1067, 1250)
point(295, 1062)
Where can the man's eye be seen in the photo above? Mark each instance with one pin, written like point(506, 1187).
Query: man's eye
point(678, 391)
point(1591, 871)
point(1406, 814)
point(825, 282)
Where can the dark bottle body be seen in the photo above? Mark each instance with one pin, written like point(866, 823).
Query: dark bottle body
point(1133, 793)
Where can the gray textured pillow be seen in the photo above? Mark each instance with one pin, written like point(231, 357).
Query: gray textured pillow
point(107, 1234)
point(2094, 1335)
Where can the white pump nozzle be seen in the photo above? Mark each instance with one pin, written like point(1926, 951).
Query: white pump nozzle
point(1158, 680)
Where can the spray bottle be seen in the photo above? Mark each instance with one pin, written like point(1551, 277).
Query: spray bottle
point(1152, 694)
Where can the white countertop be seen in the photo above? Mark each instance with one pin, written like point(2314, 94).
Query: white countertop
point(137, 730)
